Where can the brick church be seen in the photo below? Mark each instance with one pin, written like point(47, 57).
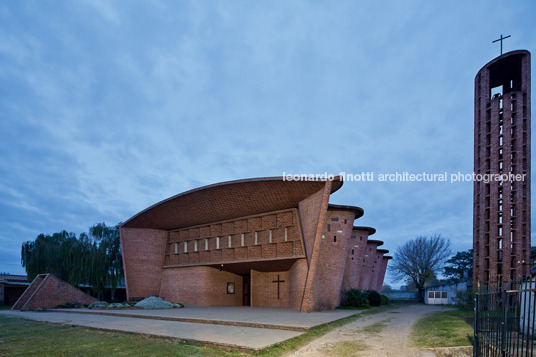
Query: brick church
point(254, 242)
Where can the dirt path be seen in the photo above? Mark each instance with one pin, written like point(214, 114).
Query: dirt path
point(383, 334)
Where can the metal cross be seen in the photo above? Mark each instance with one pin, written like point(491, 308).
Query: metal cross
point(278, 281)
point(501, 39)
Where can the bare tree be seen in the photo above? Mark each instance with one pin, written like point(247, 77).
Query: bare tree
point(419, 260)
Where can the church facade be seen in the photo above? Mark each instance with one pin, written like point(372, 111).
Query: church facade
point(253, 242)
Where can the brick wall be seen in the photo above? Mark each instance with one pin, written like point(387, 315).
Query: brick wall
point(200, 285)
point(354, 260)
point(369, 267)
point(332, 258)
point(264, 290)
point(143, 253)
point(265, 236)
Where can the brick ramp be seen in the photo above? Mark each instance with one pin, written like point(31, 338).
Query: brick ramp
point(27, 294)
point(192, 320)
point(48, 291)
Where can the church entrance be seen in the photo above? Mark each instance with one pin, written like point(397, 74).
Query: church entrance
point(246, 288)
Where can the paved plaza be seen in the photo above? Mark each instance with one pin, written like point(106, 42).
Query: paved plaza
point(237, 327)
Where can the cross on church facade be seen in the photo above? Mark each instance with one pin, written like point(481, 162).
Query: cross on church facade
point(501, 39)
point(278, 281)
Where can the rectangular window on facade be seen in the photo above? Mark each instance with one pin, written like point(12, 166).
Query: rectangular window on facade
point(329, 228)
point(444, 294)
point(195, 245)
point(256, 238)
point(242, 239)
point(335, 220)
point(217, 242)
point(430, 295)
point(230, 241)
point(206, 244)
point(335, 238)
point(286, 234)
point(185, 247)
point(270, 236)
point(176, 248)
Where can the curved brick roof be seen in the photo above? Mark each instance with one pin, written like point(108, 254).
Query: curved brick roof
point(226, 200)
point(357, 210)
point(503, 56)
point(378, 242)
point(370, 230)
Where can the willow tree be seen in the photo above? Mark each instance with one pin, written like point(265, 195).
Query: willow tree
point(94, 259)
point(419, 260)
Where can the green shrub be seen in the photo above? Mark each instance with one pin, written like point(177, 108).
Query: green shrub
point(384, 299)
point(465, 299)
point(373, 297)
point(355, 297)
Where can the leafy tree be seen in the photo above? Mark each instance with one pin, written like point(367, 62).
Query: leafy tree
point(419, 260)
point(93, 259)
point(386, 288)
point(460, 263)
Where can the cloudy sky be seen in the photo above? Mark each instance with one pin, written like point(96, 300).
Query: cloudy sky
point(107, 107)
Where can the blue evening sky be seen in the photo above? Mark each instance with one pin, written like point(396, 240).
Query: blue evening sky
point(107, 107)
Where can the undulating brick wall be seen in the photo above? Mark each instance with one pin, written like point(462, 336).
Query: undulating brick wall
point(354, 259)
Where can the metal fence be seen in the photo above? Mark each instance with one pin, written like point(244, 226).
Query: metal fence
point(505, 319)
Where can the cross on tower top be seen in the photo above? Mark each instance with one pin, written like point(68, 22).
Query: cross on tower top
point(501, 39)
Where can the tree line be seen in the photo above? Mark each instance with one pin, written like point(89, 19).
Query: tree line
point(92, 259)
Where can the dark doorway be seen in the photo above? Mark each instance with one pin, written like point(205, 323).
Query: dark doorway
point(246, 288)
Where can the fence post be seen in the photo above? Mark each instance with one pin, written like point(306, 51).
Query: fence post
point(475, 325)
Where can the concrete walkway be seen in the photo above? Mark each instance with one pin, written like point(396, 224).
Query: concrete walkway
point(261, 317)
point(150, 322)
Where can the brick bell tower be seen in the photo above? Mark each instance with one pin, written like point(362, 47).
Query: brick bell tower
point(501, 209)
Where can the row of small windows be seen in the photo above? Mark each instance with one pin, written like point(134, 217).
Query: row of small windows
point(220, 242)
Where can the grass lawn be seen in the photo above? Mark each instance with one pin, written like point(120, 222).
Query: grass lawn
point(20, 337)
point(442, 329)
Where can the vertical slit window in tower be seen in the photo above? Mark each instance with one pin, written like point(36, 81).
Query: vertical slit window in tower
point(488, 115)
point(512, 210)
point(499, 231)
point(487, 213)
point(488, 127)
point(500, 140)
point(335, 239)
point(206, 243)
point(488, 164)
point(487, 226)
point(512, 235)
point(500, 203)
point(500, 246)
point(500, 129)
point(329, 228)
point(195, 245)
point(286, 234)
point(488, 189)
point(218, 242)
point(488, 139)
point(500, 150)
point(185, 247)
point(230, 241)
point(524, 124)
point(500, 166)
point(500, 218)
point(176, 248)
point(500, 104)
point(242, 240)
point(270, 236)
